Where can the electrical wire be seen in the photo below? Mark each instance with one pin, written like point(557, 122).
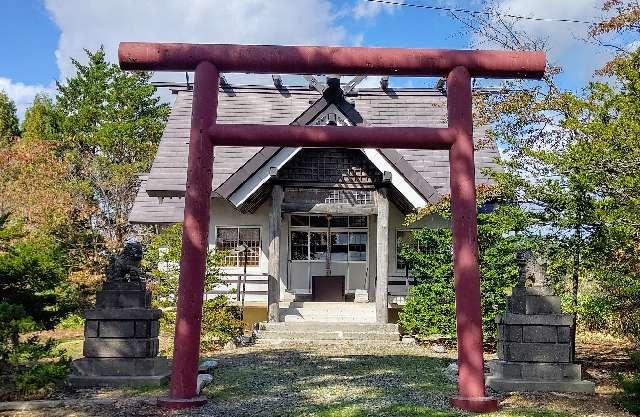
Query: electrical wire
point(479, 12)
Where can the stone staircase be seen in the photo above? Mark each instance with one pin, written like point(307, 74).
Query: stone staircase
point(322, 322)
point(328, 312)
point(324, 332)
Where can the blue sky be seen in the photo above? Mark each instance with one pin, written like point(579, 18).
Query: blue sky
point(38, 37)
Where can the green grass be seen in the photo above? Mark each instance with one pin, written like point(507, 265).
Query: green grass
point(72, 345)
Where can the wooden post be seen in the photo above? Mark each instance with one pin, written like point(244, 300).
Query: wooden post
point(195, 242)
point(275, 218)
point(466, 271)
point(382, 256)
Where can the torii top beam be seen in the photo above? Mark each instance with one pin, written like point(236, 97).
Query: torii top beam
point(330, 60)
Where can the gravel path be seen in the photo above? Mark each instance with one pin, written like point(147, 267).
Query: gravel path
point(315, 380)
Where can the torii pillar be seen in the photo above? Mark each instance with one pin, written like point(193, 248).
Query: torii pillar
point(457, 65)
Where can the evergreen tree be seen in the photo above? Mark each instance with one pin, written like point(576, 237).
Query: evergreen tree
point(110, 123)
point(8, 119)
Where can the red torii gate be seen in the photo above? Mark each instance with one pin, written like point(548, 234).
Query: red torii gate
point(209, 59)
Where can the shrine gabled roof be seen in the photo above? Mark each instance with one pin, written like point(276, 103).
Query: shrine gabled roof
point(270, 105)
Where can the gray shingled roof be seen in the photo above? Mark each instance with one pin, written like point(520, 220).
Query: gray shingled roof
point(268, 105)
point(255, 104)
point(421, 108)
point(155, 210)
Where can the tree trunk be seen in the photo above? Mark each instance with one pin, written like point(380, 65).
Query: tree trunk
point(575, 281)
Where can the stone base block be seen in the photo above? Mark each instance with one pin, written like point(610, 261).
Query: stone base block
point(534, 304)
point(121, 328)
point(123, 299)
point(508, 385)
point(536, 371)
point(84, 381)
point(535, 319)
point(108, 367)
point(123, 314)
point(534, 352)
point(537, 290)
point(120, 348)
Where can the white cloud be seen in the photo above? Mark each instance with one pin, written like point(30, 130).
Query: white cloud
point(23, 94)
point(87, 24)
point(565, 41)
point(358, 39)
point(368, 10)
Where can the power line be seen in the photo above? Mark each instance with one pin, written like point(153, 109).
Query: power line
point(479, 12)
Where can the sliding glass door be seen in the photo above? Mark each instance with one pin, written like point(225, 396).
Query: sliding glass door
point(323, 246)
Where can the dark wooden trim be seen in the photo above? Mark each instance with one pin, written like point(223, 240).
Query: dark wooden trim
point(327, 185)
point(312, 112)
point(246, 171)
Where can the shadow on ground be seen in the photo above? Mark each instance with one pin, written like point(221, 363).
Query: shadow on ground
point(294, 382)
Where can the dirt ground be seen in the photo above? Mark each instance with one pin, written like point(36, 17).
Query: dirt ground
point(351, 381)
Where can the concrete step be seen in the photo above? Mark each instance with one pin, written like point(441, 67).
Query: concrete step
point(305, 316)
point(322, 327)
point(322, 332)
point(330, 305)
point(328, 312)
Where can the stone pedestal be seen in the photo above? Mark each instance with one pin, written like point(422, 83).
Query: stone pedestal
point(121, 340)
point(535, 350)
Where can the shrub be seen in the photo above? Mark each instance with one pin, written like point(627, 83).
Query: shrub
point(30, 277)
point(38, 367)
point(430, 306)
point(220, 323)
point(71, 321)
point(425, 314)
point(629, 399)
point(595, 311)
point(220, 320)
point(28, 368)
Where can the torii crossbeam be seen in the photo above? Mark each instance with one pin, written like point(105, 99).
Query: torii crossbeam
point(208, 60)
